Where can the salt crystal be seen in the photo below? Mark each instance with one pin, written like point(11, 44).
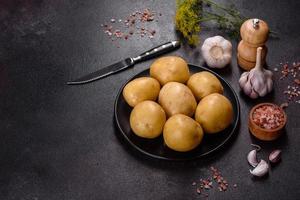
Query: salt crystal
point(206, 187)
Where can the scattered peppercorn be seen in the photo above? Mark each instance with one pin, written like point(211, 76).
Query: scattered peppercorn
point(290, 76)
point(219, 179)
point(130, 24)
point(207, 184)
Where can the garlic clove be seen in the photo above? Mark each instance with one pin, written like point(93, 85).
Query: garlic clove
point(275, 156)
point(261, 90)
point(269, 73)
point(243, 79)
point(251, 157)
point(248, 88)
point(253, 94)
point(258, 84)
point(261, 169)
point(226, 45)
point(227, 57)
point(217, 39)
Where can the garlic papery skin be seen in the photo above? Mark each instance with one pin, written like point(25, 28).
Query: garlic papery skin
point(251, 157)
point(217, 51)
point(275, 156)
point(258, 81)
point(261, 169)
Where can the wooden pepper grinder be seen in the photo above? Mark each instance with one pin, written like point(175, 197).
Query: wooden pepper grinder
point(254, 34)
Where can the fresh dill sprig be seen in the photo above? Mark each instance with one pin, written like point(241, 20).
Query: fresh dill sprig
point(190, 13)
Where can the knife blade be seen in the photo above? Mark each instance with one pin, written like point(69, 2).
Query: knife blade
point(126, 63)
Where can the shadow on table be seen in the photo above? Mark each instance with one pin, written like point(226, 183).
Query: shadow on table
point(269, 146)
point(177, 165)
point(252, 102)
point(224, 72)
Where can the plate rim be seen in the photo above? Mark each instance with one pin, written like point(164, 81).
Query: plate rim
point(178, 159)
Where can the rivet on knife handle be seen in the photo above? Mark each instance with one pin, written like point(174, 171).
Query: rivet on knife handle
point(159, 50)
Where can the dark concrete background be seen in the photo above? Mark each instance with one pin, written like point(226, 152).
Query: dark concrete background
point(59, 142)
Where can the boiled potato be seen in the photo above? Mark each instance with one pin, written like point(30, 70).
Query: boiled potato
point(170, 68)
point(141, 89)
point(147, 119)
point(203, 84)
point(182, 133)
point(214, 113)
point(177, 98)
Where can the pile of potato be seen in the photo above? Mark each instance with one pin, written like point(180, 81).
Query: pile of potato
point(184, 108)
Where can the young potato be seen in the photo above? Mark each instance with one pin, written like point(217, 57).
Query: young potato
point(141, 89)
point(147, 119)
point(170, 68)
point(214, 113)
point(203, 84)
point(182, 133)
point(177, 98)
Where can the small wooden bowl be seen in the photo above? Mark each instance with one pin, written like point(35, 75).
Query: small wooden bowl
point(266, 134)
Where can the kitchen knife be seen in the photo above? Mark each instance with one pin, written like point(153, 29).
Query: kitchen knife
point(126, 63)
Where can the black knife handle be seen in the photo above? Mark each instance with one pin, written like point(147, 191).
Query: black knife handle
point(159, 50)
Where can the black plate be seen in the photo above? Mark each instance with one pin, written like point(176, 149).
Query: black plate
point(156, 147)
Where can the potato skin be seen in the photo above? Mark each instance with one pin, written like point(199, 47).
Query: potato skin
point(170, 68)
point(141, 89)
point(182, 133)
point(147, 119)
point(203, 84)
point(214, 113)
point(177, 98)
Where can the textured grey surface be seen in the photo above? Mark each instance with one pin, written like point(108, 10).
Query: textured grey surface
point(59, 142)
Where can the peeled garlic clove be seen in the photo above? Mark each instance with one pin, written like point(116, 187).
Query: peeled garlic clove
point(275, 156)
point(261, 169)
point(251, 157)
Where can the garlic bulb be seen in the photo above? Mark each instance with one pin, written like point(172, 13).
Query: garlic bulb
point(258, 81)
point(217, 52)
